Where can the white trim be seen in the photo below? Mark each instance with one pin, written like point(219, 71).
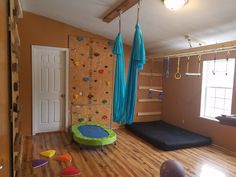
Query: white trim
point(66, 50)
point(149, 87)
point(149, 100)
point(150, 74)
point(149, 113)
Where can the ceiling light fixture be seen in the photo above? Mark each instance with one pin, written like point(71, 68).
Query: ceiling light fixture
point(175, 4)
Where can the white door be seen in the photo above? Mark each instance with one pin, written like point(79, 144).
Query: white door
point(49, 65)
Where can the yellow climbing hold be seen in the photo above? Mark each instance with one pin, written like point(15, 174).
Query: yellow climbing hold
point(76, 63)
point(48, 153)
point(76, 96)
point(108, 83)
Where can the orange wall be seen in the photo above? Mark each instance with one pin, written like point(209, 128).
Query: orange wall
point(38, 30)
point(182, 102)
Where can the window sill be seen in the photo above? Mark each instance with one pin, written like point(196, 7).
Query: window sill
point(228, 121)
point(209, 118)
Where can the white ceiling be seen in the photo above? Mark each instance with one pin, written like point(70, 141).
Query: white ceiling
point(211, 21)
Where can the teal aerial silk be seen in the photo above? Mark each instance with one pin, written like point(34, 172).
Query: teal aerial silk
point(127, 99)
point(119, 86)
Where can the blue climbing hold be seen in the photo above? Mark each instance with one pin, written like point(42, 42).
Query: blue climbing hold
point(80, 38)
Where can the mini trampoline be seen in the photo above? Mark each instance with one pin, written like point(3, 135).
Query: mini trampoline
point(93, 134)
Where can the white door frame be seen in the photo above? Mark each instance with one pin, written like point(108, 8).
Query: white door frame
point(66, 50)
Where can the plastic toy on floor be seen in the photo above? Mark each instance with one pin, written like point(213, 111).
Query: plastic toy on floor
point(48, 153)
point(172, 168)
point(70, 171)
point(39, 163)
point(64, 157)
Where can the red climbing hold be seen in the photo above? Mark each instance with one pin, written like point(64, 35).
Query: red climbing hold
point(104, 117)
point(101, 71)
point(70, 171)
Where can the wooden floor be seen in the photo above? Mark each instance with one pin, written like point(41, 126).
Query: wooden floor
point(131, 156)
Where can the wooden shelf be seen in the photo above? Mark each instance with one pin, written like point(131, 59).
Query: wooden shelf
point(149, 87)
point(149, 100)
point(149, 113)
point(150, 74)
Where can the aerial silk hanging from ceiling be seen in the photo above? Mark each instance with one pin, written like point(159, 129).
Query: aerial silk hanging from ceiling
point(119, 85)
point(125, 93)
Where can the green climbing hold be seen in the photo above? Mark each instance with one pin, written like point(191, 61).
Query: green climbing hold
point(104, 101)
point(81, 120)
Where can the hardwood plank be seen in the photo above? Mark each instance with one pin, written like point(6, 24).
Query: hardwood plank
point(130, 157)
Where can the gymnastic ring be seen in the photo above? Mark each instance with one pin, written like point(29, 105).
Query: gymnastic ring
point(178, 76)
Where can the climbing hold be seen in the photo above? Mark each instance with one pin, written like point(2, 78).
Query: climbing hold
point(76, 96)
point(106, 66)
point(64, 157)
point(107, 92)
point(104, 101)
point(83, 65)
point(100, 71)
point(48, 153)
point(39, 163)
point(105, 48)
point(70, 171)
point(72, 59)
point(81, 119)
point(104, 117)
point(80, 38)
point(108, 83)
point(97, 112)
point(96, 54)
point(81, 93)
point(111, 55)
point(76, 63)
point(95, 71)
point(82, 54)
point(90, 96)
point(86, 79)
point(73, 88)
point(95, 80)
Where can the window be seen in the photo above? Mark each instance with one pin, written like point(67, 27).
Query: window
point(217, 87)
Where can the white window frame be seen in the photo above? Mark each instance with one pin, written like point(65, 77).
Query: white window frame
point(204, 92)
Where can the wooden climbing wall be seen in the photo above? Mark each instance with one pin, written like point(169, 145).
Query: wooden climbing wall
point(91, 79)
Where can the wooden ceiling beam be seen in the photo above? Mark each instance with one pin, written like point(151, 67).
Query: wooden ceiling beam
point(124, 6)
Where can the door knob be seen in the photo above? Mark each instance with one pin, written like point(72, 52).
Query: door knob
point(2, 165)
